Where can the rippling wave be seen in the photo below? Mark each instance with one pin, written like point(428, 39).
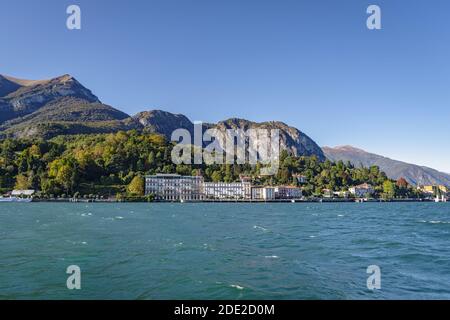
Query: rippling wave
point(225, 251)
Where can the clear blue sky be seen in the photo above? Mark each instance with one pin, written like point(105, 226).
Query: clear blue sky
point(311, 64)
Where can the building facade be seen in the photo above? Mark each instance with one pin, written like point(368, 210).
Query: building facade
point(434, 189)
point(327, 193)
point(363, 190)
point(263, 193)
point(288, 192)
point(224, 191)
point(341, 194)
point(22, 193)
point(300, 178)
point(173, 187)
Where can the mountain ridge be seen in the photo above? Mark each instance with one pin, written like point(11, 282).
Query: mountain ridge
point(395, 169)
point(62, 106)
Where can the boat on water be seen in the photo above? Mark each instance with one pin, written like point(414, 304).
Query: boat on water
point(15, 199)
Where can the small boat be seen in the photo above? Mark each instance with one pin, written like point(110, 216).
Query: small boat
point(15, 199)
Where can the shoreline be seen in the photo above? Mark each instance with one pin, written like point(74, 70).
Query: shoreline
point(235, 201)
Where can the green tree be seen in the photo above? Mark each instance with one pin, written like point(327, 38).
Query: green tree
point(216, 176)
point(64, 177)
point(388, 189)
point(21, 182)
point(137, 186)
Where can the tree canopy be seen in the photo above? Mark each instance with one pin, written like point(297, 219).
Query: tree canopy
point(109, 164)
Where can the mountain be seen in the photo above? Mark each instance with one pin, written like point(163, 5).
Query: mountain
point(7, 86)
point(163, 122)
point(291, 139)
point(21, 97)
point(62, 106)
point(52, 107)
point(414, 174)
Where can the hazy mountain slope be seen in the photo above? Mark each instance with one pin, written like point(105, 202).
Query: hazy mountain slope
point(414, 174)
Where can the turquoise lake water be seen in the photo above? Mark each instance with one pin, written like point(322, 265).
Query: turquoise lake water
point(225, 251)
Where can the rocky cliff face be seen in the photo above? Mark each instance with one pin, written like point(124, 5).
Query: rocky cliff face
point(291, 139)
point(163, 122)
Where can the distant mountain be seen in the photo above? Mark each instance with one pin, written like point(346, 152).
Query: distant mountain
point(414, 174)
point(62, 106)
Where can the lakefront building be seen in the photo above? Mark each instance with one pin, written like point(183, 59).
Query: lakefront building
point(363, 190)
point(433, 189)
point(23, 193)
point(300, 178)
point(263, 193)
point(227, 191)
point(174, 187)
point(288, 192)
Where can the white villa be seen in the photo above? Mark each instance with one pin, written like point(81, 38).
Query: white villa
point(223, 190)
point(362, 190)
point(173, 187)
point(20, 193)
point(263, 193)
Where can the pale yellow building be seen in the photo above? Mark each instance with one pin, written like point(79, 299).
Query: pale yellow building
point(433, 189)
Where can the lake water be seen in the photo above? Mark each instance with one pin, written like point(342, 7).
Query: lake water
point(225, 251)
